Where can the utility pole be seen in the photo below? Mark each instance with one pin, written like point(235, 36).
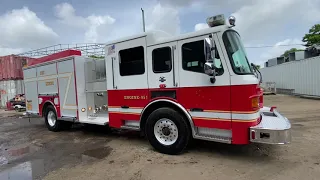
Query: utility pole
point(143, 23)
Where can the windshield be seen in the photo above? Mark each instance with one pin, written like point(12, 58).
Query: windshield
point(236, 53)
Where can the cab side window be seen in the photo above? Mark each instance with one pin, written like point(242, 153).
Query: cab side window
point(195, 55)
point(131, 61)
point(161, 60)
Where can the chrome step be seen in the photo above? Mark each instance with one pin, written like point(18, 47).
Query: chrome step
point(135, 128)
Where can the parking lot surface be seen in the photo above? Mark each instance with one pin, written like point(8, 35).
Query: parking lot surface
point(29, 150)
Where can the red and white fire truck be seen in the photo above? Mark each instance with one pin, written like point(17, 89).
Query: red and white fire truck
point(173, 88)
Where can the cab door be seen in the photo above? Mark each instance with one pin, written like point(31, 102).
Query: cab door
point(208, 102)
point(161, 66)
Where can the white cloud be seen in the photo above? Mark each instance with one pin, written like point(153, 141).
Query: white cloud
point(163, 18)
point(279, 48)
point(176, 2)
point(21, 28)
point(4, 51)
point(101, 28)
point(259, 21)
point(200, 26)
point(92, 24)
point(262, 20)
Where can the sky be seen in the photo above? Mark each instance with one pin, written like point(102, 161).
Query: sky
point(270, 25)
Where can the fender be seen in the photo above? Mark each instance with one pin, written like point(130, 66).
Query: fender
point(47, 101)
point(186, 113)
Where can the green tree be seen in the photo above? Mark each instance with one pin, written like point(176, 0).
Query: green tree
point(96, 57)
point(258, 66)
point(313, 37)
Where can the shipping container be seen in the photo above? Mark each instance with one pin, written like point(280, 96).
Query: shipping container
point(298, 55)
point(298, 77)
point(9, 89)
point(1, 69)
point(11, 67)
point(276, 61)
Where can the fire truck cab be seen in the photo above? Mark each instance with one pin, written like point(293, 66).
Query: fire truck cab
point(173, 88)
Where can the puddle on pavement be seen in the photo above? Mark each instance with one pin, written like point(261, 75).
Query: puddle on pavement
point(43, 152)
point(35, 168)
point(25, 171)
point(11, 154)
point(98, 153)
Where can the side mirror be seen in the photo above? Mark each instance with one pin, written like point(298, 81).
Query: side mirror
point(209, 69)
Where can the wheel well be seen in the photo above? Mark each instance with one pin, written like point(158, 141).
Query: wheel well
point(157, 105)
point(45, 107)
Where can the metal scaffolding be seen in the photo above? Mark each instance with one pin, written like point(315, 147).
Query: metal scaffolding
point(87, 49)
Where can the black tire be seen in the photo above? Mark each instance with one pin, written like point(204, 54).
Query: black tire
point(58, 125)
point(184, 131)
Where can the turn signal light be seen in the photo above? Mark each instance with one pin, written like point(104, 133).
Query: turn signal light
point(255, 102)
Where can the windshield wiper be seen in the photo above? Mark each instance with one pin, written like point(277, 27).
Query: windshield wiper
point(257, 70)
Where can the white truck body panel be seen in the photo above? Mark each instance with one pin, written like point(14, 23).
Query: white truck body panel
point(66, 78)
point(67, 91)
point(31, 90)
point(47, 79)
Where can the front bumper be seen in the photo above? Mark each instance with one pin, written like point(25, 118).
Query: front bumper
point(272, 129)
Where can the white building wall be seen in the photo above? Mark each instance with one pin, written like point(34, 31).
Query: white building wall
point(303, 76)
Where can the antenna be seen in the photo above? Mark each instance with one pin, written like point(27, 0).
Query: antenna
point(143, 22)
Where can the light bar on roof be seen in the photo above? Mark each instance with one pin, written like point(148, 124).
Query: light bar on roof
point(216, 20)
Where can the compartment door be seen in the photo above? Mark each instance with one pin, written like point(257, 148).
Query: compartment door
point(67, 92)
point(31, 90)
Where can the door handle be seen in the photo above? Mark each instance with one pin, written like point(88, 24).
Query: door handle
point(196, 109)
point(173, 69)
point(113, 81)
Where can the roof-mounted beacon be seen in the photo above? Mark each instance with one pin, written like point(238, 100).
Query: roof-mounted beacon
point(220, 20)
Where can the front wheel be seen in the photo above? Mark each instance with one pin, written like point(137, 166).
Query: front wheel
point(167, 131)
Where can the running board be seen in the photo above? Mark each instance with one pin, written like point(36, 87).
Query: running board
point(134, 128)
point(211, 134)
point(131, 125)
point(67, 118)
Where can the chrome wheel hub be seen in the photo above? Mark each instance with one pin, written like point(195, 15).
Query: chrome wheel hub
point(51, 118)
point(166, 131)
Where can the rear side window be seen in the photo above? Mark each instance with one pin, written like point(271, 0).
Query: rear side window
point(131, 61)
point(161, 60)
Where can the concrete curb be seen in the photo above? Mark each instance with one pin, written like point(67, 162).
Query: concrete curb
point(268, 93)
point(310, 97)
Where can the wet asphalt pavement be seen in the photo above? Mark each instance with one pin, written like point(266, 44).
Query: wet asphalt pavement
point(29, 151)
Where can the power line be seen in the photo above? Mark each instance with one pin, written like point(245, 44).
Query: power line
point(270, 46)
point(101, 44)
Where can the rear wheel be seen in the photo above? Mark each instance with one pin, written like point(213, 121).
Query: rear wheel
point(51, 120)
point(167, 131)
